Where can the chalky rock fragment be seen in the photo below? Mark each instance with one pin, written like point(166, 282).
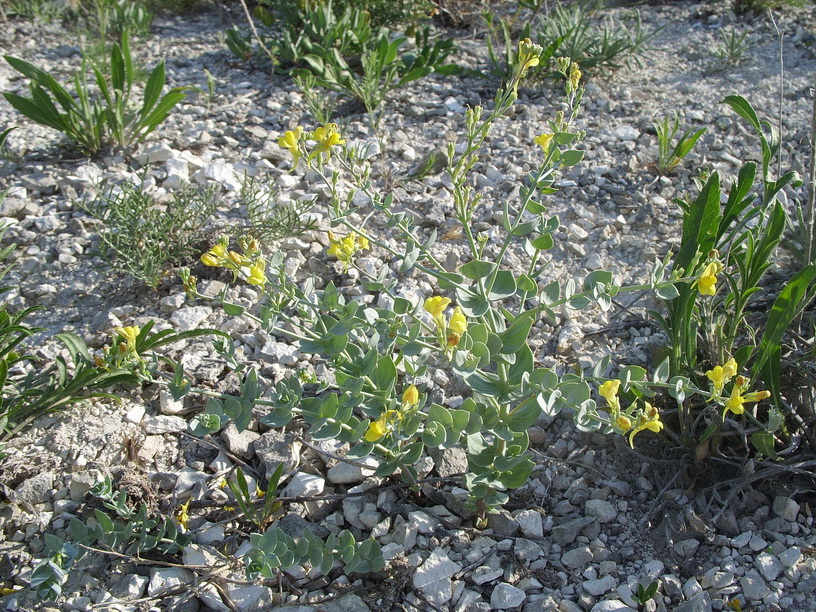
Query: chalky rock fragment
point(164, 579)
point(436, 567)
point(506, 596)
point(786, 508)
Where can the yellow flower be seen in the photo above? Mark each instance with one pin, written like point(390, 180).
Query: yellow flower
point(458, 322)
point(326, 137)
point(411, 396)
point(129, 334)
point(528, 55)
point(609, 391)
point(574, 77)
point(623, 423)
point(707, 283)
point(290, 141)
point(648, 419)
point(544, 141)
point(720, 375)
point(436, 307)
point(181, 516)
point(257, 273)
point(735, 402)
point(345, 248)
point(376, 429)
point(238, 259)
point(216, 256)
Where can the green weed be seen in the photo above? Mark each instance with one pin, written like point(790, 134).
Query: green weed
point(110, 115)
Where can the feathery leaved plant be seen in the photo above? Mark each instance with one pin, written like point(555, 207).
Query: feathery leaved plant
point(142, 237)
point(107, 116)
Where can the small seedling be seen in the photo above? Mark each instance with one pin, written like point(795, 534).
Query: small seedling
point(668, 157)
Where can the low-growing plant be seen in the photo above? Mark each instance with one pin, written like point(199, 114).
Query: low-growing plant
point(143, 237)
point(712, 345)
point(271, 218)
point(732, 47)
point(321, 102)
point(375, 353)
point(603, 46)
point(670, 153)
point(502, 47)
point(383, 69)
point(39, 10)
point(566, 31)
point(288, 38)
point(111, 19)
point(642, 594)
point(31, 388)
point(381, 13)
point(93, 120)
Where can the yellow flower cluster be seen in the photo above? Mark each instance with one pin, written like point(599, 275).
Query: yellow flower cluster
point(249, 264)
point(722, 375)
point(450, 331)
point(345, 248)
point(129, 335)
point(323, 138)
point(635, 419)
point(390, 419)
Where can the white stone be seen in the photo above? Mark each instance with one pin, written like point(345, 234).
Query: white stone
point(186, 319)
point(790, 556)
point(626, 132)
point(602, 510)
point(485, 573)
point(165, 578)
point(654, 568)
point(158, 153)
point(135, 414)
point(208, 594)
point(187, 478)
point(753, 586)
point(768, 565)
point(168, 405)
point(742, 539)
point(210, 533)
point(786, 508)
point(438, 593)
point(304, 485)
point(612, 605)
point(164, 424)
point(506, 596)
point(347, 473)
point(391, 550)
point(437, 566)
point(691, 588)
point(251, 597)
point(594, 262)
point(577, 557)
point(178, 173)
point(686, 548)
point(283, 353)
point(530, 523)
point(599, 586)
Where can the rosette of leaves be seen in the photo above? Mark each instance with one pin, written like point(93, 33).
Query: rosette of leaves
point(107, 116)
